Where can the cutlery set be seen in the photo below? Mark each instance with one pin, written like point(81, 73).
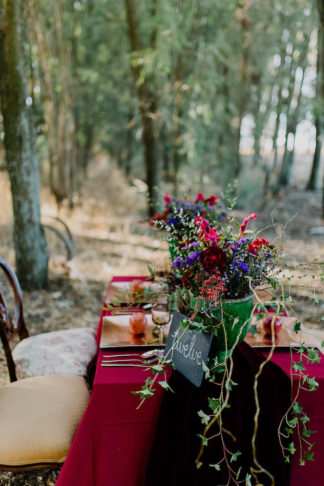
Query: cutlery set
point(133, 359)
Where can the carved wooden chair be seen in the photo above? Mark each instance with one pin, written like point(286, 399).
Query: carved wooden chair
point(67, 351)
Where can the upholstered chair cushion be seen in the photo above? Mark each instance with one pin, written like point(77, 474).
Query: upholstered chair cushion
point(59, 352)
point(38, 419)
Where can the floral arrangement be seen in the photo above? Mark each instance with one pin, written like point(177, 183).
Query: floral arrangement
point(176, 214)
point(226, 261)
point(217, 260)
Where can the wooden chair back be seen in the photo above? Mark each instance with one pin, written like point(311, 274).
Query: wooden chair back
point(11, 325)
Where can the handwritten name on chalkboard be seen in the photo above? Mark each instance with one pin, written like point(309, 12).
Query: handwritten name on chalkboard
point(187, 349)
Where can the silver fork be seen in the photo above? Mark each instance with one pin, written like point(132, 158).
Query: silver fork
point(129, 365)
point(152, 353)
point(132, 359)
point(145, 361)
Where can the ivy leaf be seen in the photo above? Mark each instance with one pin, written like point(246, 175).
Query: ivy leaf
point(204, 417)
point(261, 307)
point(293, 422)
point(166, 386)
point(204, 439)
point(215, 466)
point(298, 366)
point(304, 419)
point(235, 456)
point(157, 368)
point(214, 404)
point(297, 408)
point(145, 393)
point(253, 328)
point(205, 369)
point(248, 479)
point(312, 383)
point(297, 326)
point(307, 432)
point(288, 431)
point(310, 447)
point(292, 448)
point(309, 456)
point(150, 269)
point(313, 356)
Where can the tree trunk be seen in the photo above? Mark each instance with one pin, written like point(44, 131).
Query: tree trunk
point(129, 142)
point(289, 154)
point(176, 145)
point(320, 7)
point(292, 120)
point(319, 117)
point(271, 170)
point(148, 106)
point(245, 23)
point(30, 244)
point(165, 154)
point(258, 126)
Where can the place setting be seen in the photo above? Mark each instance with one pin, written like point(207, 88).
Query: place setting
point(142, 329)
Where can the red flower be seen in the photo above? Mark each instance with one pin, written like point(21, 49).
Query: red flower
point(212, 200)
point(200, 197)
point(245, 222)
point(167, 198)
point(203, 223)
point(205, 231)
point(157, 217)
point(255, 245)
point(213, 259)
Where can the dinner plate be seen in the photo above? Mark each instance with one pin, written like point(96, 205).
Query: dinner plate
point(120, 292)
point(286, 338)
point(116, 333)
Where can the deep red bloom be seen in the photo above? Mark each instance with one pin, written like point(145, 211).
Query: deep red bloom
point(213, 259)
point(200, 197)
point(245, 222)
point(212, 200)
point(157, 217)
point(167, 198)
point(255, 245)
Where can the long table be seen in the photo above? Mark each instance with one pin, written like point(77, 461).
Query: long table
point(114, 440)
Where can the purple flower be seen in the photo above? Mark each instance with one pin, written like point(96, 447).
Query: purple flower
point(243, 240)
point(244, 267)
point(192, 258)
point(191, 245)
point(177, 263)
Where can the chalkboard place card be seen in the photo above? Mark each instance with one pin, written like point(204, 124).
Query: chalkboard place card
point(187, 349)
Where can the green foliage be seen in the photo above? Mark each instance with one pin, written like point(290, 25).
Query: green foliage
point(210, 65)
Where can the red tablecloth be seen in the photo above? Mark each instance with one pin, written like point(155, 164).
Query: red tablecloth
point(113, 442)
point(312, 474)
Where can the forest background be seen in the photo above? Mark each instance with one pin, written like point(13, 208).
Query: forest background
point(111, 103)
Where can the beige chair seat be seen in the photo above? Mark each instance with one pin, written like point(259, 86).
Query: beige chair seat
point(38, 419)
point(68, 351)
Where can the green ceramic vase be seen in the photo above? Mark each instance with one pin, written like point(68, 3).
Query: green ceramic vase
point(231, 322)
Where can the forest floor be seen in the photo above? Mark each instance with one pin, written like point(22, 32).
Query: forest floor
point(112, 240)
